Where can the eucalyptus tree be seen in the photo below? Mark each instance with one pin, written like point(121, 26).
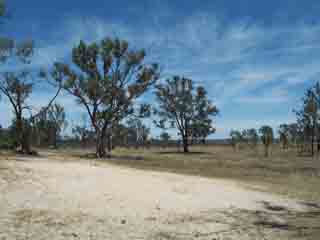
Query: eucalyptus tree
point(106, 79)
point(201, 130)
point(202, 125)
point(308, 117)
point(8, 86)
point(17, 82)
point(236, 139)
point(306, 131)
point(165, 138)
point(316, 93)
point(251, 137)
point(294, 133)
point(6, 44)
point(284, 135)
point(17, 86)
point(120, 135)
point(267, 138)
point(57, 122)
point(181, 106)
point(138, 132)
point(81, 131)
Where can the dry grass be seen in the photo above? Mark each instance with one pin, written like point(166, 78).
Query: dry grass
point(282, 172)
point(248, 224)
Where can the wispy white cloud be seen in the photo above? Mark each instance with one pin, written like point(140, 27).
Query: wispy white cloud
point(269, 96)
point(233, 61)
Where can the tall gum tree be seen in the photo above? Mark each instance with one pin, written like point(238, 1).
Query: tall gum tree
point(18, 82)
point(183, 107)
point(17, 86)
point(308, 116)
point(267, 138)
point(106, 79)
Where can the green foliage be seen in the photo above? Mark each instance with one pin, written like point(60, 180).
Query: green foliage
point(82, 132)
point(294, 132)
point(236, 138)
point(107, 78)
point(3, 8)
point(308, 117)
point(250, 136)
point(57, 116)
point(202, 123)
point(284, 135)
point(165, 138)
point(267, 138)
point(201, 129)
point(48, 125)
point(138, 133)
point(7, 140)
point(17, 86)
point(184, 108)
point(236, 135)
point(11, 50)
point(120, 135)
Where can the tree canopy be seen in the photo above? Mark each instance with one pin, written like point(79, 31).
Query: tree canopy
point(267, 137)
point(184, 107)
point(106, 78)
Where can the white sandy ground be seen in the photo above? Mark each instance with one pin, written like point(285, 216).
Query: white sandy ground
point(47, 199)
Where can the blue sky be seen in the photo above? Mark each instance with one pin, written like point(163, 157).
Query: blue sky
point(255, 58)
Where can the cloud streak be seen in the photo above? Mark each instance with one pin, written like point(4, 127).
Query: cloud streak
point(242, 62)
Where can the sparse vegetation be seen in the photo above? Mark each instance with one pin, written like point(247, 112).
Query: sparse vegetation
point(283, 172)
point(260, 183)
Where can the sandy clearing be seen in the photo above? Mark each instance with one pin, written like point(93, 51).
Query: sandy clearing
point(71, 200)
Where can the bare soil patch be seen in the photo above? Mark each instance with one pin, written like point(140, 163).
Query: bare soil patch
point(48, 199)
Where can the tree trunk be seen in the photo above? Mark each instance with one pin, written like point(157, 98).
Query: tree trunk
point(101, 145)
point(26, 148)
point(312, 144)
point(109, 142)
point(53, 136)
point(38, 137)
point(101, 148)
point(23, 136)
point(83, 141)
point(19, 130)
point(26, 141)
point(185, 144)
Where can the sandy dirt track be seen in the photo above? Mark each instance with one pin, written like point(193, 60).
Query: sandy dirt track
point(47, 199)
